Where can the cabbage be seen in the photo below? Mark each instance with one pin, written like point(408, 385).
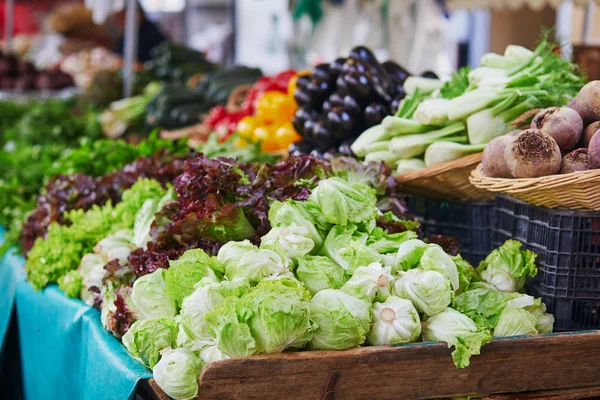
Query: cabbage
point(409, 255)
point(429, 291)
point(342, 321)
point(319, 273)
point(270, 318)
point(507, 267)
point(150, 299)
point(395, 321)
point(343, 203)
point(302, 214)
point(177, 373)
point(295, 241)
point(145, 339)
point(370, 282)
point(384, 243)
point(435, 259)
point(515, 321)
point(347, 247)
point(457, 330)
point(188, 270)
point(243, 260)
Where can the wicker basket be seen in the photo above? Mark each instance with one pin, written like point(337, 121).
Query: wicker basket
point(449, 181)
point(577, 190)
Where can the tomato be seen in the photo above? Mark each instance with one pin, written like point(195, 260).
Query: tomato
point(286, 135)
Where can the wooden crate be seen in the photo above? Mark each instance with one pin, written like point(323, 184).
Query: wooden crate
point(555, 366)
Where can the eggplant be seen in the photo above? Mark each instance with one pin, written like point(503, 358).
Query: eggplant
point(396, 72)
point(364, 54)
point(430, 75)
point(335, 68)
point(302, 97)
point(309, 127)
point(322, 73)
point(339, 117)
point(302, 115)
point(374, 114)
point(303, 80)
point(358, 85)
point(352, 105)
point(318, 91)
point(337, 98)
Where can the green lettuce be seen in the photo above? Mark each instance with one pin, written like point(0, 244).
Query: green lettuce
point(243, 260)
point(515, 321)
point(149, 298)
point(457, 330)
point(507, 267)
point(395, 321)
point(372, 282)
point(71, 283)
point(319, 273)
point(64, 245)
point(385, 243)
point(435, 259)
point(270, 318)
point(342, 321)
point(145, 339)
point(302, 214)
point(293, 241)
point(188, 270)
point(409, 255)
point(343, 203)
point(177, 373)
point(429, 291)
point(348, 247)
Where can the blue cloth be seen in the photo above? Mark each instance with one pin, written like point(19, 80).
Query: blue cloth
point(9, 277)
point(65, 351)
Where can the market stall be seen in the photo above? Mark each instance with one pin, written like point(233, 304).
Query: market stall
point(353, 230)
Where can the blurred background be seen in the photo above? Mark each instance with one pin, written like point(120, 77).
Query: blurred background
point(274, 35)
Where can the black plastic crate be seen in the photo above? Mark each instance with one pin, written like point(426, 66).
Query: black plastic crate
point(567, 243)
point(470, 221)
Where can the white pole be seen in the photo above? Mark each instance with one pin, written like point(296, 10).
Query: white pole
point(564, 23)
point(9, 9)
point(131, 46)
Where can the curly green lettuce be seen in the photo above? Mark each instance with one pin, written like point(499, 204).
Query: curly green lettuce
point(64, 246)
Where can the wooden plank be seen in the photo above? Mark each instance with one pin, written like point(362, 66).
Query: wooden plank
point(568, 394)
point(417, 371)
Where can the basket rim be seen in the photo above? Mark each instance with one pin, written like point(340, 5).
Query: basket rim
point(437, 169)
point(520, 185)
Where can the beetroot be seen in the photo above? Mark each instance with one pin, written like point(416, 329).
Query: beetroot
point(532, 153)
point(594, 151)
point(562, 123)
point(577, 160)
point(587, 102)
point(589, 132)
point(493, 162)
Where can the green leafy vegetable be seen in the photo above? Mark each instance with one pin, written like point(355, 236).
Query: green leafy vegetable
point(319, 273)
point(188, 270)
point(342, 320)
point(507, 267)
point(457, 330)
point(177, 373)
point(395, 321)
point(145, 339)
point(149, 298)
point(429, 291)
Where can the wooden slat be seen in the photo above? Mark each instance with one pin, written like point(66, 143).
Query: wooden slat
point(417, 371)
point(568, 394)
point(557, 364)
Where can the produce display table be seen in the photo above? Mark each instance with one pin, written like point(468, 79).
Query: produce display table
point(65, 352)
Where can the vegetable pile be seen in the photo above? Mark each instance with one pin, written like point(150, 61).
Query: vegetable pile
point(443, 121)
point(235, 259)
point(339, 100)
point(547, 147)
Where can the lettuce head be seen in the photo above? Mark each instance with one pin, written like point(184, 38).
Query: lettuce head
point(395, 321)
